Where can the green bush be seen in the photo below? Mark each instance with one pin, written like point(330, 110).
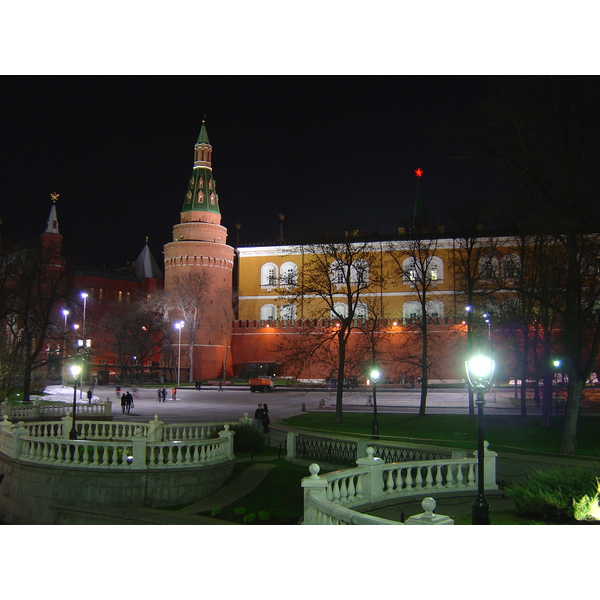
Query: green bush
point(588, 507)
point(549, 494)
point(247, 439)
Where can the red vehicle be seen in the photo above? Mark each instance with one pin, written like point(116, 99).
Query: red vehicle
point(261, 384)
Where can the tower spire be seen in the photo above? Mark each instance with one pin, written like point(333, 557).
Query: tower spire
point(419, 214)
point(201, 200)
point(52, 225)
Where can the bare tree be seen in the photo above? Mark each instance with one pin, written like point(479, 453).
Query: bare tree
point(416, 265)
point(186, 300)
point(334, 278)
point(33, 282)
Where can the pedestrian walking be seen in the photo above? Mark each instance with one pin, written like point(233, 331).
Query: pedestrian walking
point(258, 415)
point(220, 386)
point(164, 394)
point(129, 401)
point(159, 394)
point(118, 390)
point(266, 419)
point(174, 391)
point(123, 402)
point(198, 384)
point(89, 395)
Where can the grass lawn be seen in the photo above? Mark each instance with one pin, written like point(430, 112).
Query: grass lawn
point(508, 433)
point(278, 500)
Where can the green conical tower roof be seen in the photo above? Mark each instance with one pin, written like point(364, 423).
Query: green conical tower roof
point(202, 194)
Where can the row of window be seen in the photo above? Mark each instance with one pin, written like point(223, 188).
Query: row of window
point(287, 274)
point(411, 310)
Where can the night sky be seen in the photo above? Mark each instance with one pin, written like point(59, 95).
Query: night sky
point(322, 150)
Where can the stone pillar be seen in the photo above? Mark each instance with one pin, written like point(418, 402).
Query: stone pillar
point(5, 423)
point(108, 407)
point(155, 430)
point(427, 517)
point(489, 467)
point(226, 433)
point(373, 481)
point(67, 423)
point(17, 431)
point(311, 485)
point(139, 443)
point(6, 406)
point(290, 445)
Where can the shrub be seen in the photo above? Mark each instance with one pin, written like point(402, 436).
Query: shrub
point(588, 507)
point(549, 494)
point(247, 439)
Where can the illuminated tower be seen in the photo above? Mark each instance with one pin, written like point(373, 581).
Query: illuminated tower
point(199, 249)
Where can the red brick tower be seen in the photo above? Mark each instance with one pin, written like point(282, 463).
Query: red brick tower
point(199, 252)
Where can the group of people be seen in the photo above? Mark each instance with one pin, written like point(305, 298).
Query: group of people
point(261, 415)
point(162, 394)
point(126, 402)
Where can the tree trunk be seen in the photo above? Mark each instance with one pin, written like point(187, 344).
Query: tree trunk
point(340, 377)
point(568, 443)
point(424, 375)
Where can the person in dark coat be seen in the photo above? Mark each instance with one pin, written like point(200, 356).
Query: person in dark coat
point(258, 415)
point(265, 419)
point(123, 402)
point(129, 399)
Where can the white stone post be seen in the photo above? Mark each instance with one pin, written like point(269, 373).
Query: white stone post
point(155, 430)
point(290, 445)
point(108, 407)
point(6, 406)
point(139, 443)
point(372, 482)
point(226, 433)
point(67, 424)
point(427, 517)
point(311, 485)
point(17, 443)
point(489, 467)
point(5, 423)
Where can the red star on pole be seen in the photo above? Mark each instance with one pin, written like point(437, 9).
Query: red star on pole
point(419, 173)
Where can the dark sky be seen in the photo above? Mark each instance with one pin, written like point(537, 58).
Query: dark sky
point(319, 149)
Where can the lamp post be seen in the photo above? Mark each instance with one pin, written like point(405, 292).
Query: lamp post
point(75, 369)
point(84, 296)
point(556, 364)
point(65, 313)
point(480, 371)
point(179, 326)
point(374, 377)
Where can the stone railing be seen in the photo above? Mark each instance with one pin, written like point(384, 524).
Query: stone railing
point(117, 445)
point(334, 497)
point(346, 450)
point(37, 410)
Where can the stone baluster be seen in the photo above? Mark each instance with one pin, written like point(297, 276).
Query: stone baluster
point(372, 484)
point(226, 433)
point(155, 430)
point(312, 484)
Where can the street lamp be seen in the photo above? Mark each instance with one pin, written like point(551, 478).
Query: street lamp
point(65, 313)
point(84, 296)
point(556, 364)
point(75, 369)
point(374, 377)
point(179, 326)
point(480, 371)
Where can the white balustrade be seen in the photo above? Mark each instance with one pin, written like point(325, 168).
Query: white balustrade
point(115, 445)
point(331, 498)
